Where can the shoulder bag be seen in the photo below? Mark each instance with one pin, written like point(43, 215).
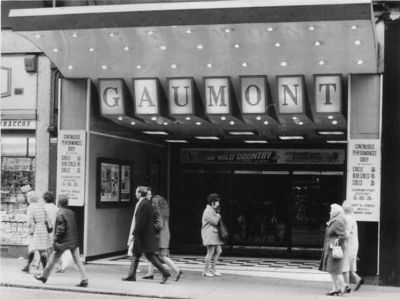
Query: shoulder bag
point(222, 230)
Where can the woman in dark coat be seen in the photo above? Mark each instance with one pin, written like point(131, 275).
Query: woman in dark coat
point(336, 229)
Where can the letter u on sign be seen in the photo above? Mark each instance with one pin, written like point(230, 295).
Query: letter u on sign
point(180, 96)
point(217, 92)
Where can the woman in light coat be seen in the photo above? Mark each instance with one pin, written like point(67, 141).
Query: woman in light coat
point(210, 236)
point(336, 230)
point(38, 222)
point(351, 248)
point(161, 207)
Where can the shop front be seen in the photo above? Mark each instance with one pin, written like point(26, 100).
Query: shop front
point(274, 107)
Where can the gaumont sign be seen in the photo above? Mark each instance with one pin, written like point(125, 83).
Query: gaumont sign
point(147, 95)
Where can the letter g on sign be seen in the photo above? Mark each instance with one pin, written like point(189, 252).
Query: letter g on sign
point(110, 97)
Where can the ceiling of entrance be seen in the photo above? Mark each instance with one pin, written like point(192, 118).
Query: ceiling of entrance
point(327, 43)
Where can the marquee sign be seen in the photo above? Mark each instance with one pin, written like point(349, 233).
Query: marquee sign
point(328, 93)
point(181, 96)
point(291, 95)
point(217, 95)
point(111, 97)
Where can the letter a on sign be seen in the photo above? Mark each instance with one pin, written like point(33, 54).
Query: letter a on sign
point(146, 96)
point(181, 96)
point(217, 93)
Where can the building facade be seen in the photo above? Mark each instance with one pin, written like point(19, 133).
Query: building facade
point(280, 108)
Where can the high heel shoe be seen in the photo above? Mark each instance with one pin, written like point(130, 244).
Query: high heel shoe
point(179, 275)
point(333, 293)
point(347, 289)
point(148, 277)
point(358, 284)
point(208, 274)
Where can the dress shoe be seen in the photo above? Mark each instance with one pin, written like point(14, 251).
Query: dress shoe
point(179, 275)
point(148, 277)
point(358, 284)
point(129, 278)
point(83, 284)
point(333, 293)
point(165, 278)
point(347, 289)
point(41, 278)
point(25, 269)
point(208, 274)
point(215, 273)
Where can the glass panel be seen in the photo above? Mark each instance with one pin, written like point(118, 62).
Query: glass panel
point(32, 147)
point(14, 146)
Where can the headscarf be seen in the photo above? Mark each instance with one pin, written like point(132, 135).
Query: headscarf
point(336, 210)
point(347, 207)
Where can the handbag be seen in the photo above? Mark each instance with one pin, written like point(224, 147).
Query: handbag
point(222, 231)
point(49, 227)
point(337, 251)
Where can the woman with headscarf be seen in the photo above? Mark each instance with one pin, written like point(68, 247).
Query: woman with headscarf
point(161, 208)
point(38, 224)
point(335, 231)
point(351, 248)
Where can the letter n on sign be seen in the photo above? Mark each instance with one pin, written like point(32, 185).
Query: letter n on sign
point(112, 101)
point(291, 95)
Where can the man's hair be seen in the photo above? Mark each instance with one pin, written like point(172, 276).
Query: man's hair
point(62, 200)
point(213, 197)
point(142, 190)
point(48, 196)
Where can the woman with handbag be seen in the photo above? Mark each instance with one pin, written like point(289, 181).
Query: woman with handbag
point(210, 235)
point(351, 249)
point(39, 228)
point(332, 256)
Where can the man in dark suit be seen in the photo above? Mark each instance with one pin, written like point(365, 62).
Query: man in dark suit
point(65, 238)
point(144, 235)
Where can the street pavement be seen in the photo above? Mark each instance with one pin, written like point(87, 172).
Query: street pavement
point(105, 279)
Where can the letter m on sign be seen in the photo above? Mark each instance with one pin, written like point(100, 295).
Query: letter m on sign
point(217, 95)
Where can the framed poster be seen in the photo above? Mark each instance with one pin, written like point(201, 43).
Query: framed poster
point(114, 181)
point(125, 183)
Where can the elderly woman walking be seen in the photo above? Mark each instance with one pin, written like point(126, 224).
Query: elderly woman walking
point(38, 225)
point(210, 236)
point(351, 248)
point(335, 231)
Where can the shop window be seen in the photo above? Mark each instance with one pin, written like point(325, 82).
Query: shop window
point(17, 177)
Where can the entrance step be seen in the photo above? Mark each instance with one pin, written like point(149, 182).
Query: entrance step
point(261, 267)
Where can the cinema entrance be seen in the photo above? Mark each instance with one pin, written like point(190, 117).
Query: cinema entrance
point(270, 210)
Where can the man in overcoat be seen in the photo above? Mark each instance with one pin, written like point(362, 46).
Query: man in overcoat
point(65, 238)
point(144, 236)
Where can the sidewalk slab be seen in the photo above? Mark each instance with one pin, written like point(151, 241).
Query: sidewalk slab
point(106, 279)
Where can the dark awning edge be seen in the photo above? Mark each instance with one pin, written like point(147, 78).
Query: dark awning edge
point(29, 20)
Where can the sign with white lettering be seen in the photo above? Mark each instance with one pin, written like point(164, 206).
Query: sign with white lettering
point(146, 96)
point(363, 178)
point(181, 96)
point(71, 164)
point(253, 91)
point(291, 94)
point(18, 124)
point(217, 93)
point(328, 93)
point(259, 156)
point(111, 97)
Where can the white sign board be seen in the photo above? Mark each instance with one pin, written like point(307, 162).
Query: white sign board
point(146, 96)
point(217, 95)
point(181, 96)
point(364, 178)
point(328, 94)
point(111, 97)
point(71, 165)
point(253, 90)
point(291, 94)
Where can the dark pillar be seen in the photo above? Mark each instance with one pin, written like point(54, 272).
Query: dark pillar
point(390, 194)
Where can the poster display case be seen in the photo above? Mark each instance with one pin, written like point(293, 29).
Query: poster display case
point(114, 181)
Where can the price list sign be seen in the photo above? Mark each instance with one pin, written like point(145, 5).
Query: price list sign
point(364, 178)
point(71, 165)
